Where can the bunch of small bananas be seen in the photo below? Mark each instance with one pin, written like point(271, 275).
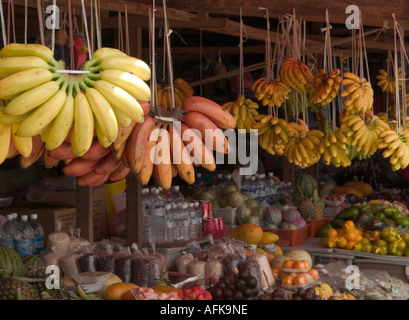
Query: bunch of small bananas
point(334, 150)
point(363, 134)
point(303, 149)
point(353, 154)
point(296, 75)
point(387, 82)
point(328, 88)
point(243, 111)
point(181, 91)
point(39, 99)
point(273, 133)
point(359, 94)
point(396, 147)
point(271, 93)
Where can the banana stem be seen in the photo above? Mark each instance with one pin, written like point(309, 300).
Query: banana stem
point(89, 82)
point(77, 88)
point(94, 76)
point(70, 90)
point(83, 86)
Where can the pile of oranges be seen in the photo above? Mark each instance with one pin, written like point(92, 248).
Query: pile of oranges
point(346, 238)
point(300, 272)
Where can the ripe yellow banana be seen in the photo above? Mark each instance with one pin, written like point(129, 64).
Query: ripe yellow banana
point(25, 50)
point(12, 65)
point(24, 145)
point(83, 131)
point(43, 115)
point(62, 124)
point(5, 136)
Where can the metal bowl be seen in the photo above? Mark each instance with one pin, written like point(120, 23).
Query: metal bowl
point(5, 202)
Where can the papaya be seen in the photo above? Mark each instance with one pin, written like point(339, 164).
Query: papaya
point(348, 213)
point(347, 190)
point(268, 238)
point(249, 232)
point(365, 188)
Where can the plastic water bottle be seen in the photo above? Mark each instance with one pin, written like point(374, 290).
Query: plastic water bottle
point(38, 233)
point(176, 195)
point(198, 222)
point(174, 216)
point(183, 220)
point(192, 220)
point(272, 188)
point(157, 219)
point(25, 237)
point(169, 223)
point(199, 180)
point(261, 188)
point(252, 188)
point(245, 186)
point(8, 232)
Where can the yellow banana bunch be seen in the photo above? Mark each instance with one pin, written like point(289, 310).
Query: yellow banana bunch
point(181, 89)
point(328, 88)
point(296, 75)
point(39, 98)
point(273, 133)
point(304, 150)
point(387, 82)
point(363, 134)
point(359, 94)
point(334, 150)
point(396, 147)
point(243, 111)
point(271, 93)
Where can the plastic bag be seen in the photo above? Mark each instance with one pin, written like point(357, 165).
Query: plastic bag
point(107, 259)
point(88, 260)
point(69, 264)
point(214, 268)
point(182, 261)
point(196, 267)
point(254, 269)
point(58, 240)
point(123, 265)
point(146, 270)
point(117, 223)
point(76, 242)
point(52, 258)
point(164, 263)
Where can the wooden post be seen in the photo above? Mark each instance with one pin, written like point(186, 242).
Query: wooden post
point(135, 43)
point(84, 212)
point(133, 211)
point(288, 172)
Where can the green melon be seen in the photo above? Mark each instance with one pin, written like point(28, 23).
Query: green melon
point(34, 261)
point(11, 262)
point(305, 185)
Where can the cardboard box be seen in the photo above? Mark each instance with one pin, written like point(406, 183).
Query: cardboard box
point(48, 218)
point(100, 214)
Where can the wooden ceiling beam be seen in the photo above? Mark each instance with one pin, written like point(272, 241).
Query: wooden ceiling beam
point(228, 50)
point(374, 12)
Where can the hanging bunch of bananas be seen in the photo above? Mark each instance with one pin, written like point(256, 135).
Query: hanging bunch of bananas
point(303, 149)
point(353, 154)
point(387, 82)
point(181, 90)
point(359, 94)
point(273, 133)
point(396, 147)
point(334, 150)
point(296, 75)
point(243, 111)
point(328, 88)
point(363, 134)
point(40, 99)
point(271, 93)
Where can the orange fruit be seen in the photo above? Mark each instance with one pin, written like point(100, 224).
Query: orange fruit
point(349, 224)
point(351, 235)
point(307, 265)
point(299, 264)
point(299, 280)
point(350, 245)
point(288, 281)
point(314, 273)
point(358, 238)
point(288, 264)
point(330, 242)
point(342, 242)
point(276, 272)
point(332, 233)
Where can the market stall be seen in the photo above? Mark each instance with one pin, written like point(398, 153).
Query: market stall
point(146, 159)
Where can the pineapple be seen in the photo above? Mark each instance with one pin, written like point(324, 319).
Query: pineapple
point(311, 209)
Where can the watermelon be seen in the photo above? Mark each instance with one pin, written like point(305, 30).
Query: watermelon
point(32, 260)
point(305, 185)
point(11, 262)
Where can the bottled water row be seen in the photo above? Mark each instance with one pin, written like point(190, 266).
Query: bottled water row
point(25, 236)
point(166, 217)
point(264, 188)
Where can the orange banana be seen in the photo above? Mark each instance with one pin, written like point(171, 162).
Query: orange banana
point(180, 157)
point(107, 165)
point(79, 167)
point(137, 142)
point(123, 135)
point(197, 149)
point(215, 112)
point(36, 153)
point(49, 162)
point(63, 152)
point(119, 173)
point(96, 151)
point(92, 179)
point(199, 121)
